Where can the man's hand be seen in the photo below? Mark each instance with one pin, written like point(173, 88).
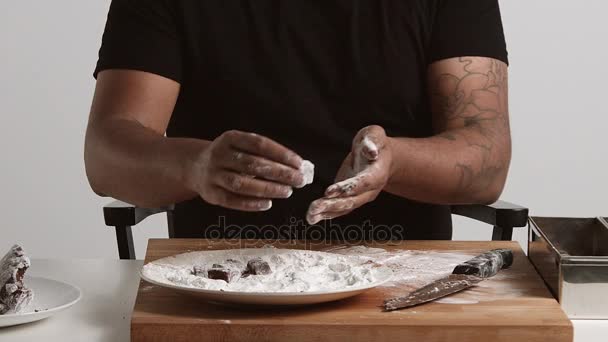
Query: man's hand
point(362, 176)
point(244, 171)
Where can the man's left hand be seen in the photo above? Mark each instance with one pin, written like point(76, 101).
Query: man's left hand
point(362, 176)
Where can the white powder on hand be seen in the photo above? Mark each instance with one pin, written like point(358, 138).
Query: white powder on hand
point(369, 145)
point(292, 271)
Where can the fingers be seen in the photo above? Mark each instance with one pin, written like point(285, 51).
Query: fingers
point(314, 219)
point(328, 208)
point(363, 182)
point(248, 164)
point(264, 147)
point(251, 187)
point(370, 166)
point(371, 163)
point(230, 200)
point(245, 171)
point(331, 205)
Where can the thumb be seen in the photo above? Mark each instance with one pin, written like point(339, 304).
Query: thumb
point(369, 142)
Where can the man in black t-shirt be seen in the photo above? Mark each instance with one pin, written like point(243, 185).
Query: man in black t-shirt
point(402, 106)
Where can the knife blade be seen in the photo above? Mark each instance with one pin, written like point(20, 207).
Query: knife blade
point(464, 276)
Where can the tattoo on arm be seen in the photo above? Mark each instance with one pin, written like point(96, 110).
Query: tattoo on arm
point(470, 104)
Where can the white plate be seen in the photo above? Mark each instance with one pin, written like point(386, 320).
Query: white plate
point(382, 274)
point(50, 297)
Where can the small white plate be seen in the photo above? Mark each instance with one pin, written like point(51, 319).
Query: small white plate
point(382, 275)
point(50, 297)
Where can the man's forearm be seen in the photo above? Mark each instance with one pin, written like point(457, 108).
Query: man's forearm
point(455, 167)
point(129, 161)
point(468, 161)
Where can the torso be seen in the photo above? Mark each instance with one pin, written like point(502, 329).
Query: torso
point(308, 74)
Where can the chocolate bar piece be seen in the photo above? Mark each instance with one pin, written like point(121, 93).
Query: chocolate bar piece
point(220, 272)
point(14, 296)
point(228, 271)
point(487, 264)
point(258, 266)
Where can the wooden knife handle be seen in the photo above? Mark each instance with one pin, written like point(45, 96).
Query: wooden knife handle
point(487, 264)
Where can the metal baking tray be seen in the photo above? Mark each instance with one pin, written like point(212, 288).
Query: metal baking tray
point(571, 255)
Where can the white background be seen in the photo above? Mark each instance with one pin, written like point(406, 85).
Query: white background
point(48, 50)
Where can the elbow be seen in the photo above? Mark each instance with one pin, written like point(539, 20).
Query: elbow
point(100, 185)
point(96, 187)
point(489, 196)
point(93, 165)
point(103, 185)
point(93, 177)
point(492, 192)
point(494, 181)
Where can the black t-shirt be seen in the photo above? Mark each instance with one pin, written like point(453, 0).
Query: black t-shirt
point(308, 74)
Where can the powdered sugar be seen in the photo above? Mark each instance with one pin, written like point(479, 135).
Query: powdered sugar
point(410, 268)
point(413, 269)
point(292, 271)
point(369, 145)
point(347, 186)
point(360, 159)
point(333, 269)
point(456, 300)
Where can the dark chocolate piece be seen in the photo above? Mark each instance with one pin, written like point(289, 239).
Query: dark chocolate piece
point(258, 266)
point(220, 272)
point(487, 264)
point(227, 271)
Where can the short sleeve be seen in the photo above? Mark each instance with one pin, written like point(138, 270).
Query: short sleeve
point(468, 28)
point(141, 35)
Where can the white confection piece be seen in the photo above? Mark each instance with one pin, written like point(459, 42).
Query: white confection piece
point(308, 170)
point(14, 295)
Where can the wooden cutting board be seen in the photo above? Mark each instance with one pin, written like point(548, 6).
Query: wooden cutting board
point(515, 308)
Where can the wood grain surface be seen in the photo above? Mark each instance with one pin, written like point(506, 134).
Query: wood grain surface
point(515, 308)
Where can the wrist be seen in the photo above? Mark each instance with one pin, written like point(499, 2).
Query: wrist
point(391, 147)
point(192, 161)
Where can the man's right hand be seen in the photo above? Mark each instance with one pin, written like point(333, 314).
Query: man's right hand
point(244, 171)
point(128, 156)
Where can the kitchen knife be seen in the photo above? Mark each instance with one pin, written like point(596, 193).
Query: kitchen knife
point(463, 276)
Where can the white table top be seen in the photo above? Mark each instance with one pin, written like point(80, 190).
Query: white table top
point(109, 288)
